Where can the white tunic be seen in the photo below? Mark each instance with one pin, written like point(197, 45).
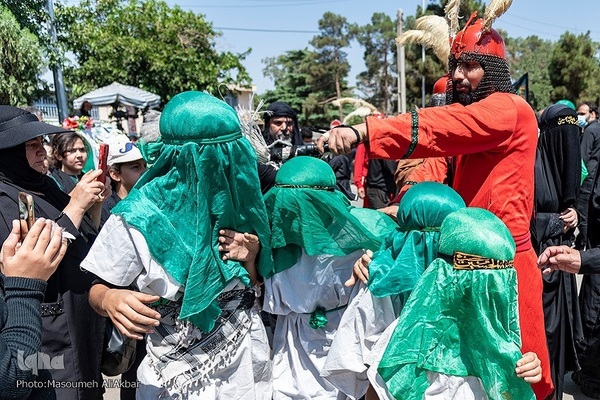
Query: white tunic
point(360, 328)
point(120, 256)
point(299, 351)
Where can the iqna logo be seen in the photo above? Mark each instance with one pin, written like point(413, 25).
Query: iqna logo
point(39, 360)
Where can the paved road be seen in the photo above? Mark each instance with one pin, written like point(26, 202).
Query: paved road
point(572, 391)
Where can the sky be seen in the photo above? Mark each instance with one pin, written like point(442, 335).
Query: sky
point(272, 27)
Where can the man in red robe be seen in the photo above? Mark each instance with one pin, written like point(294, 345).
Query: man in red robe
point(493, 134)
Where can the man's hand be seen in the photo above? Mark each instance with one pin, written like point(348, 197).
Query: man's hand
point(39, 254)
point(341, 139)
point(128, 310)
point(529, 368)
point(561, 258)
point(361, 269)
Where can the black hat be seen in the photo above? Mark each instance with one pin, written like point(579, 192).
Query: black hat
point(18, 126)
point(281, 109)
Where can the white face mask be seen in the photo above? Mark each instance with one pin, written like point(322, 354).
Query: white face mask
point(581, 121)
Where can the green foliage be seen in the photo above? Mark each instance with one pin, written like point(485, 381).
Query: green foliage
point(289, 72)
point(531, 55)
point(147, 44)
point(308, 80)
point(574, 68)
point(20, 61)
point(328, 69)
point(378, 82)
point(432, 68)
point(30, 14)
point(556, 70)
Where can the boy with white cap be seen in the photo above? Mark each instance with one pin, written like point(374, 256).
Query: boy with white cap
point(126, 165)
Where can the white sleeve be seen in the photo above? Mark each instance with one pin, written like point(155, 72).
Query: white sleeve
point(120, 256)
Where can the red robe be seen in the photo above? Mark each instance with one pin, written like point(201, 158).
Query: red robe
point(495, 141)
point(361, 167)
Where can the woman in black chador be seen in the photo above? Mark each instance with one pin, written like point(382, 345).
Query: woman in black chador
point(557, 179)
point(72, 333)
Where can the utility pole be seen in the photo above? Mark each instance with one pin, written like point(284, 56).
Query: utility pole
point(423, 60)
point(401, 68)
point(59, 86)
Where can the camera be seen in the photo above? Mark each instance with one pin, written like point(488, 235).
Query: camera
point(283, 153)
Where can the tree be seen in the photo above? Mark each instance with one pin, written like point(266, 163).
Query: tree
point(289, 74)
point(432, 68)
point(574, 68)
point(531, 55)
point(30, 14)
point(330, 68)
point(379, 42)
point(147, 44)
point(20, 61)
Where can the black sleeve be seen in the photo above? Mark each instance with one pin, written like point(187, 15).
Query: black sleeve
point(590, 261)
point(266, 175)
point(21, 334)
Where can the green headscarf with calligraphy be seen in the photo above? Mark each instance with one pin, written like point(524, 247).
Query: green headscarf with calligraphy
point(462, 317)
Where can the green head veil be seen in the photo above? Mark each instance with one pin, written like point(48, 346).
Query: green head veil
point(462, 316)
point(411, 247)
point(203, 179)
point(306, 212)
point(477, 232)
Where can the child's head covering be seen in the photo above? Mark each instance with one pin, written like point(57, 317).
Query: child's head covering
point(307, 213)
point(203, 179)
point(462, 316)
point(411, 247)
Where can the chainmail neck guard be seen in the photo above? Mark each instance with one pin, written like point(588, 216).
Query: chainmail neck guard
point(496, 76)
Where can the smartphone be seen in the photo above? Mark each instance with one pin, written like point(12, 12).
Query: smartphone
point(26, 214)
point(103, 162)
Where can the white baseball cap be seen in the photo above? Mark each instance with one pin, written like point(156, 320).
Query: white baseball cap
point(121, 150)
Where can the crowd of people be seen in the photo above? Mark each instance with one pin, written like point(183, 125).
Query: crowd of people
point(244, 278)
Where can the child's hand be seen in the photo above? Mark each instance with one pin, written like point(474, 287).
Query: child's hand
point(238, 246)
point(529, 368)
point(130, 311)
point(361, 269)
point(569, 218)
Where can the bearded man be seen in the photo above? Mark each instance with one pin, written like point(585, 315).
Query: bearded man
point(493, 134)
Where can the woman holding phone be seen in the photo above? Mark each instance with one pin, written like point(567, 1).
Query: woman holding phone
point(71, 332)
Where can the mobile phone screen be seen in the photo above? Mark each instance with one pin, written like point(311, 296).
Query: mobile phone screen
point(103, 162)
point(26, 214)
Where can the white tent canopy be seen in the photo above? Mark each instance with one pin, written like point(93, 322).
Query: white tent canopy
point(115, 92)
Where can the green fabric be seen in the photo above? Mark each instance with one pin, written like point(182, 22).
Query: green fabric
point(411, 247)
point(191, 192)
point(375, 222)
point(306, 212)
point(150, 150)
point(567, 103)
point(584, 172)
point(318, 318)
point(476, 231)
point(460, 322)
